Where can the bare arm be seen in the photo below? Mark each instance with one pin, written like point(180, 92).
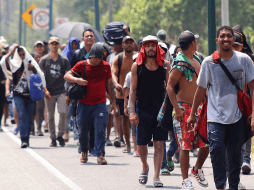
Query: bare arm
point(251, 86)
point(133, 95)
point(7, 87)
point(70, 77)
point(110, 89)
point(126, 93)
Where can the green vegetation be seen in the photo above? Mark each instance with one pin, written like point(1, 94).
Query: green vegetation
point(143, 16)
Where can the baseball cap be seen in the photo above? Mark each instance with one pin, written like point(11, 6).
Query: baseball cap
point(238, 39)
point(163, 45)
point(127, 38)
point(140, 40)
point(150, 38)
point(6, 46)
point(38, 42)
point(186, 37)
point(53, 39)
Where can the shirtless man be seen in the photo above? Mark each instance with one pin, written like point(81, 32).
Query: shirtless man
point(119, 75)
point(185, 80)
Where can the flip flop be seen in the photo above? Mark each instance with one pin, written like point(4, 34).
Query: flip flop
point(170, 165)
point(143, 177)
point(127, 150)
point(157, 183)
point(165, 171)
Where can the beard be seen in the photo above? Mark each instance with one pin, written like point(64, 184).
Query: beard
point(151, 56)
point(226, 49)
point(129, 50)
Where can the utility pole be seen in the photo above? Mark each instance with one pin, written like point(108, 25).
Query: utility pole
point(0, 17)
point(50, 16)
point(211, 26)
point(25, 25)
point(20, 21)
point(224, 13)
point(97, 15)
point(110, 10)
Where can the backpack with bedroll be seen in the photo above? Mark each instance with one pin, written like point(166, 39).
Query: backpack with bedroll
point(114, 32)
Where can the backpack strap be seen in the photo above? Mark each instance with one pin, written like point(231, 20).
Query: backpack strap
point(120, 61)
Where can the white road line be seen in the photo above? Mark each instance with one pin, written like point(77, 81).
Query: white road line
point(44, 162)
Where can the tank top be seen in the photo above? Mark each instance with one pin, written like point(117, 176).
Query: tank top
point(150, 89)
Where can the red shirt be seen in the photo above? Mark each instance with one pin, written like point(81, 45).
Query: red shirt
point(96, 77)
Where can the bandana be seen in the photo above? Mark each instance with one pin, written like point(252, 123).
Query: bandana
point(159, 54)
point(181, 57)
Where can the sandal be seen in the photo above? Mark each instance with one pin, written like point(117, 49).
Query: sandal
point(143, 178)
point(84, 157)
point(157, 183)
point(127, 150)
point(165, 171)
point(170, 165)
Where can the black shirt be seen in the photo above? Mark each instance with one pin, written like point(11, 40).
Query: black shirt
point(79, 55)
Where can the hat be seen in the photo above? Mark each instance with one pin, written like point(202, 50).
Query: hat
point(53, 39)
point(186, 37)
point(238, 39)
point(163, 45)
point(140, 41)
point(6, 46)
point(161, 34)
point(150, 38)
point(127, 38)
point(97, 50)
point(38, 42)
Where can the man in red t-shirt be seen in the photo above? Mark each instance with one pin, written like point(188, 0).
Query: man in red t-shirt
point(92, 109)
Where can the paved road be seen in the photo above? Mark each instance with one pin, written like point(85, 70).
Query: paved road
point(43, 167)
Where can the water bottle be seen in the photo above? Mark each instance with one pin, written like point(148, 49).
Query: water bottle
point(161, 113)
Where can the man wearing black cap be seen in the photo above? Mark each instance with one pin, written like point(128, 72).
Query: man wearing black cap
point(119, 71)
point(92, 110)
point(225, 122)
point(181, 89)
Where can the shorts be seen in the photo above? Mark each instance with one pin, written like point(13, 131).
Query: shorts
point(120, 104)
point(148, 130)
point(186, 139)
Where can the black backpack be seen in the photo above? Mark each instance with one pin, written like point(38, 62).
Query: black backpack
point(114, 32)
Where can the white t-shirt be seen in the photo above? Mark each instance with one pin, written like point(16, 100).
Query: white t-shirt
point(222, 95)
point(127, 82)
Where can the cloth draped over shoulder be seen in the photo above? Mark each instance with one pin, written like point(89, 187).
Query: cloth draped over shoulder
point(16, 63)
point(159, 54)
point(68, 51)
point(178, 63)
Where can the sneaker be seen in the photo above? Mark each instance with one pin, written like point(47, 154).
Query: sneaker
point(66, 137)
point(46, 130)
point(246, 168)
point(135, 154)
point(24, 144)
point(241, 186)
point(187, 185)
point(16, 131)
point(101, 160)
point(117, 142)
point(199, 176)
point(53, 143)
point(109, 143)
point(39, 133)
point(84, 157)
point(61, 141)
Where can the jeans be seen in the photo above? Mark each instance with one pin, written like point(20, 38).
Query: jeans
point(61, 105)
point(171, 149)
point(24, 107)
point(69, 113)
point(246, 151)
point(88, 116)
point(226, 138)
point(2, 101)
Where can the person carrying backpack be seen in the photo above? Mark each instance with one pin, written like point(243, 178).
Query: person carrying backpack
point(54, 67)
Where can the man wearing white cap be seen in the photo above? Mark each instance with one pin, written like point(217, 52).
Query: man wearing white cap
point(147, 87)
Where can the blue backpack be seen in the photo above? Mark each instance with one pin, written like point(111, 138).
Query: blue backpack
point(36, 87)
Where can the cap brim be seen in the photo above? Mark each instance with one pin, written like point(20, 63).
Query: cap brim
point(196, 36)
point(237, 43)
